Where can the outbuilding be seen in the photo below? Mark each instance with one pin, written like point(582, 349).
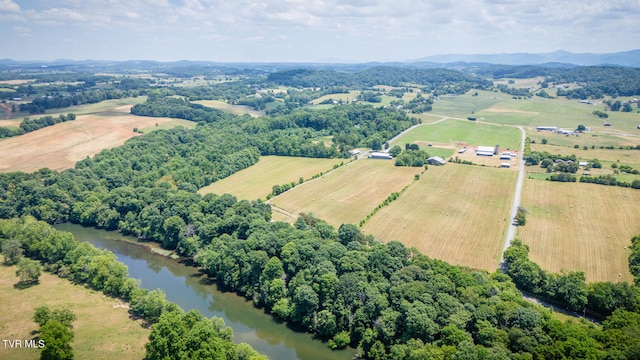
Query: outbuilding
point(485, 151)
point(380, 155)
point(505, 165)
point(436, 160)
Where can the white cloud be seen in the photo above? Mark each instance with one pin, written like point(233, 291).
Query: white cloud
point(312, 29)
point(9, 6)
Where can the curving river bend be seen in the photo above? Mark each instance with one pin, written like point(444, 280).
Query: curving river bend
point(183, 286)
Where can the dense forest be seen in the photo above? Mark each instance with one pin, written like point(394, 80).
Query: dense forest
point(447, 81)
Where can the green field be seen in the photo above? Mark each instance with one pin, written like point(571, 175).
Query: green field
point(256, 181)
point(457, 213)
point(464, 105)
point(462, 131)
point(348, 194)
point(344, 97)
point(629, 157)
point(103, 329)
point(234, 109)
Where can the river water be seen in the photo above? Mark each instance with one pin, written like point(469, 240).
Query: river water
point(185, 287)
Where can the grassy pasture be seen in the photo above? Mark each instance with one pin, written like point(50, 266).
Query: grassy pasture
point(586, 139)
point(344, 97)
point(347, 194)
point(629, 157)
point(464, 105)
point(103, 329)
point(256, 181)
point(581, 227)
point(453, 131)
point(60, 146)
point(457, 213)
point(226, 107)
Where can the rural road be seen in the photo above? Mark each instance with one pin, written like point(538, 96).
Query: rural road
point(511, 230)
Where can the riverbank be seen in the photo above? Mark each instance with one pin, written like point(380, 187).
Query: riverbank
point(184, 286)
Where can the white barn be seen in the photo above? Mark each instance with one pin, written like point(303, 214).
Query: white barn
point(380, 155)
point(485, 151)
point(436, 160)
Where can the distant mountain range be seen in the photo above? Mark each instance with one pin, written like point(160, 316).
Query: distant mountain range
point(558, 58)
point(625, 58)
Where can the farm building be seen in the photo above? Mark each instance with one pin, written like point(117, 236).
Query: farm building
point(380, 155)
point(506, 155)
point(486, 151)
point(638, 127)
point(505, 165)
point(354, 152)
point(461, 151)
point(436, 160)
point(547, 128)
point(583, 163)
point(565, 131)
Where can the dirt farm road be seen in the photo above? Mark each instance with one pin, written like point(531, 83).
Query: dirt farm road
point(511, 230)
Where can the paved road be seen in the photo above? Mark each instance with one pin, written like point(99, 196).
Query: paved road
point(511, 230)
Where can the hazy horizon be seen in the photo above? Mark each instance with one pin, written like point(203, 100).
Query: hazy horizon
point(310, 31)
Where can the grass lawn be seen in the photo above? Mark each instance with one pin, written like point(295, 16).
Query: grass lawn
point(347, 194)
point(103, 329)
point(581, 227)
point(456, 131)
point(457, 213)
point(256, 181)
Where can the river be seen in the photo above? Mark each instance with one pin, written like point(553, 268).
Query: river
point(183, 286)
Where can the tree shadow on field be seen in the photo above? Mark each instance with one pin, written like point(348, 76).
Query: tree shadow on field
point(21, 285)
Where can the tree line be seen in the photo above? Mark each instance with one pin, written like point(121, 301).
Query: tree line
point(174, 333)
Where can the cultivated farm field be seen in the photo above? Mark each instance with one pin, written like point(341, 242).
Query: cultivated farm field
point(347, 194)
point(457, 213)
point(581, 227)
point(103, 329)
point(256, 181)
point(60, 146)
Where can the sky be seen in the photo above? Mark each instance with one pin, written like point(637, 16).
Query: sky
point(310, 30)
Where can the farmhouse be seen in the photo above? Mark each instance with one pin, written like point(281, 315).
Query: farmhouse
point(380, 155)
point(547, 128)
point(486, 150)
point(436, 160)
point(354, 152)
